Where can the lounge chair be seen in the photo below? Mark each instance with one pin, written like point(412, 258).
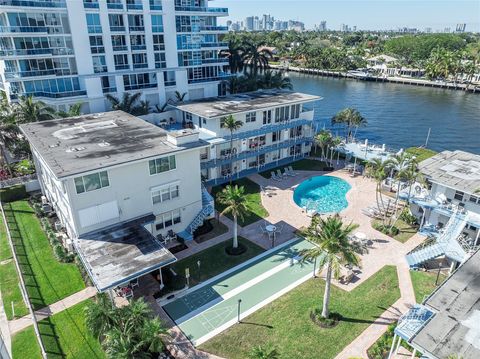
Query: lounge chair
point(265, 191)
point(264, 231)
point(280, 174)
point(291, 171)
point(286, 172)
point(274, 176)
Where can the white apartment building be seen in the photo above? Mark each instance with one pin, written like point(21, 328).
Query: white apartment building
point(70, 51)
point(116, 182)
point(277, 129)
point(449, 208)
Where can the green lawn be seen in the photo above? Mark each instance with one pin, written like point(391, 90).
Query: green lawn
point(64, 335)
point(214, 260)
point(420, 153)
point(286, 324)
point(424, 283)
point(218, 229)
point(9, 278)
point(254, 201)
point(406, 230)
point(302, 165)
point(47, 280)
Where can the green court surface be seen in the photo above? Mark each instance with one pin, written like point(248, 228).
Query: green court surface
point(211, 307)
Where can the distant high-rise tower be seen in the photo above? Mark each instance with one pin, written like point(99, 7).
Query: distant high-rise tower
point(323, 26)
point(460, 27)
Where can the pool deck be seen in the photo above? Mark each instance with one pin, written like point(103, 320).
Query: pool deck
point(283, 210)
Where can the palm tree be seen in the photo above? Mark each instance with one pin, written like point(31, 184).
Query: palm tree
point(160, 109)
point(323, 140)
point(378, 170)
point(233, 198)
point(270, 80)
point(144, 108)
point(28, 110)
point(256, 57)
point(234, 55)
point(332, 248)
point(179, 97)
point(128, 102)
point(73, 111)
point(232, 125)
point(262, 352)
point(100, 315)
point(349, 117)
point(234, 84)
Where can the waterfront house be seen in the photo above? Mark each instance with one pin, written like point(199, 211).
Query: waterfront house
point(449, 207)
point(277, 129)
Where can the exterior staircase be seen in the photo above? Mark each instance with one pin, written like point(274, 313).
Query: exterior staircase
point(208, 209)
point(446, 243)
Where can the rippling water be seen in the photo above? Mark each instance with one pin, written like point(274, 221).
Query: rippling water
point(400, 115)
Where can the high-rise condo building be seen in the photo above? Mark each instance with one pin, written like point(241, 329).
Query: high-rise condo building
point(70, 51)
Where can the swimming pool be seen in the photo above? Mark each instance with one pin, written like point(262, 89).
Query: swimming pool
point(324, 194)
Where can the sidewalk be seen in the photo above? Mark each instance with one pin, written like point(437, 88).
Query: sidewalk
point(24, 322)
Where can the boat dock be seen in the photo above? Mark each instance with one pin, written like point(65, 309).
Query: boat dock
point(393, 79)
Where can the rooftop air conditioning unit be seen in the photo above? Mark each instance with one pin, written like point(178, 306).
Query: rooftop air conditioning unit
point(46, 208)
point(44, 200)
point(58, 226)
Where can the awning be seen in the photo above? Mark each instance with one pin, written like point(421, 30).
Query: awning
point(118, 254)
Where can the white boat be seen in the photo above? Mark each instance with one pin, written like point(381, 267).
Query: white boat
point(359, 74)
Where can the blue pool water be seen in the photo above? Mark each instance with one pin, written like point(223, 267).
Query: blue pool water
point(325, 194)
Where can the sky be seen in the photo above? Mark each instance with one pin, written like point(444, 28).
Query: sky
point(369, 15)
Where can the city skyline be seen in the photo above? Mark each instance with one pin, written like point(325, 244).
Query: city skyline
point(436, 15)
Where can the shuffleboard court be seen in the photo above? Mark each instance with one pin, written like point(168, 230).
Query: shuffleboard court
point(212, 307)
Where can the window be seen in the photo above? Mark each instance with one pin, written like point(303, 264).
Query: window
point(119, 43)
point(96, 45)
point(160, 61)
point(251, 117)
point(168, 219)
point(165, 194)
point(137, 42)
point(157, 23)
point(158, 43)
point(140, 81)
point(169, 78)
point(267, 117)
point(99, 64)
point(135, 23)
point(93, 24)
point(121, 62)
point(459, 195)
point(474, 199)
point(116, 22)
point(276, 136)
point(163, 164)
point(92, 182)
point(139, 61)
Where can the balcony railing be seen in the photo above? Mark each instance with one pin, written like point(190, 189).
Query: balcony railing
point(45, 3)
point(117, 28)
point(214, 44)
point(140, 66)
point(170, 83)
point(157, 28)
point(90, 5)
point(134, 6)
point(158, 47)
point(30, 52)
point(219, 10)
point(136, 28)
point(54, 72)
point(219, 77)
point(139, 86)
point(188, 46)
point(269, 128)
point(122, 67)
point(213, 28)
point(138, 47)
point(220, 60)
point(109, 89)
point(256, 152)
point(115, 5)
point(24, 29)
point(50, 94)
point(120, 48)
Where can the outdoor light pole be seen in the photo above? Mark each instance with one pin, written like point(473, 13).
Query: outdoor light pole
point(238, 312)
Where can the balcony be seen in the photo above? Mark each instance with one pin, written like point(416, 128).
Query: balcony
point(117, 28)
point(19, 29)
point(170, 83)
point(136, 28)
point(109, 89)
point(115, 5)
point(134, 6)
point(217, 10)
point(138, 47)
point(214, 28)
point(157, 28)
point(90, 5)
point(139, 86)
point(215, 61)
point(30, 52)
point(255, 152)
point(46, 3)
point(220, 77)
point(269, 128)
point(120, 48)
point(214, 44)
point(51, 94)
point(122, 67)
point(140, 66)
point(52, 72)
point(183, 46)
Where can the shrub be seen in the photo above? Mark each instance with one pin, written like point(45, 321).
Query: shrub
point(386, 229)
point(173, 281)
point(407, 217)
point(13, 193)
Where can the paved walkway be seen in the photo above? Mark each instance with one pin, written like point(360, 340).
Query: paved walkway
point(57, 307)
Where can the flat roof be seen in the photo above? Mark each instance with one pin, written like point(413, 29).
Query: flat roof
point(454, 329)
point(85, 143)
point(242, 102)
point(455, 169)
point(121, 253)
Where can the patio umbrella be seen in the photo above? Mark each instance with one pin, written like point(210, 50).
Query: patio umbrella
point(366, 147)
